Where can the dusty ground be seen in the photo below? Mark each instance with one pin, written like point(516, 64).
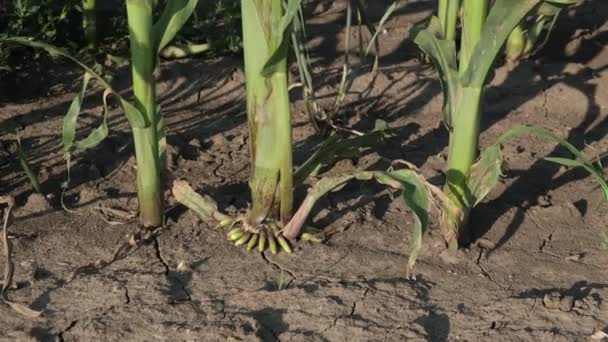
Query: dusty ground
point(537, 271)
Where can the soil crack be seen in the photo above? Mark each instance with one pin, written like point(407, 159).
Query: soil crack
point(174, 281)
point(278, 266)
point(68, 328)
point(487, 274)
point(127, 298)
point(159, 255)
point(216, 169)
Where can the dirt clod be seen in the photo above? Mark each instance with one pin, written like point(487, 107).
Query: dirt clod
point(36, 203)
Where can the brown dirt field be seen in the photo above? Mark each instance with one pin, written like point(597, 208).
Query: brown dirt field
point(536, 270)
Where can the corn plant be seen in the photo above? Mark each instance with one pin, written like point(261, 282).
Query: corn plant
point(270, 222)
point(147, 39)
point(463, 79)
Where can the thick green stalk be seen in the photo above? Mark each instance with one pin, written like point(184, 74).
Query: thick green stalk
point(268, 113)
point(466, 120)
point(451, 19)
point(143, 59)
point(463, 142)
point(461, 156)
point(89, 21)
point(474, 17)
point(442, 14)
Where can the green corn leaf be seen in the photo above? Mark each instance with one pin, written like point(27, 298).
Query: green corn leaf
point(280, 37)
point(383, 20)
point(502, 19)
point(99, 133)
point(175, 14)
point(443, 54)
point(565, 161)
point(71, 117)
point(290, 12)
point(29, 172)
point(484, 175)
point(135, 117)
point(545, 134)
point(580, 160)
point(416, 197)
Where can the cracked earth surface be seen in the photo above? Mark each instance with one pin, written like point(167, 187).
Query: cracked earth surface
point(536, 270)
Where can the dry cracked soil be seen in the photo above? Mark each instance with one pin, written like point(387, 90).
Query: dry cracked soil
point(535, 270)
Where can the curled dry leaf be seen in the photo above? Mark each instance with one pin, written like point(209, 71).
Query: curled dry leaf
point(9, 267)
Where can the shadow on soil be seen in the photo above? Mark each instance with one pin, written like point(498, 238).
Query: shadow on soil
point(435, 323)
point(578, 290)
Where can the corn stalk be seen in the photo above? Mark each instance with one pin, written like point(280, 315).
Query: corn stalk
point(147, 39)
point(265, 32)
point(89, 22)
point(463, 80)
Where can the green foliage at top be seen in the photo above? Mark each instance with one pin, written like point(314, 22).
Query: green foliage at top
point(47, 20)
point(59, 23)
point(218, 23)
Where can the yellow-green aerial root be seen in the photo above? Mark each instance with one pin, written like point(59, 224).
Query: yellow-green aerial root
point(272, 244)
point(252, 242)
point(265, 236)
point(311, 234)
point(262, 242)
point(243, 239)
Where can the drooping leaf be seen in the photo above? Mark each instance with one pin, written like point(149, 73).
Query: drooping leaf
point(175, 14)
point(99, 133)
point(414, 193)
point(416, 198)
point(71, 117)
point(135, 117)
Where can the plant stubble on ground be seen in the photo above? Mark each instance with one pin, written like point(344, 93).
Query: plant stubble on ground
point(536, 271)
